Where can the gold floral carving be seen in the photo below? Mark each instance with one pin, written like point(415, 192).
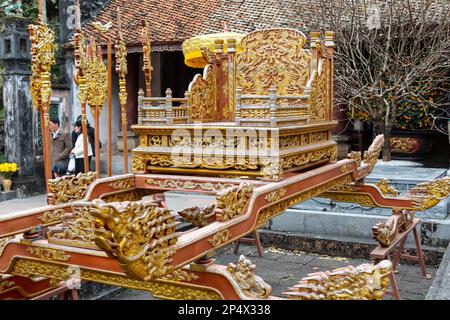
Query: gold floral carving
point(385, 188)
point(6, 284)
point(70, 188)
point(3, 242)
point(319, 98)
point(78, 227)
point(275, 209)
point(361, 199)
point(42, 59)
point(364, 282)
point(307, 157)
point(373, 153)
point(233, 202)
point(403, 144)
point(96, 79)
point(202, 96)
point(252, 285)
point(386, 232)
point(160, 289)
point(140, 235)
point(197, 216)
point(122, 184)
point(48, 254)
point(255, 113)
point(273, 57)
point(181, 275)
point(428, 194)
point(128, 195)
point(190, 185)
point(276, 195)
point(355, 155)
point(52, 216)
point(346, 168)
point(220, 238)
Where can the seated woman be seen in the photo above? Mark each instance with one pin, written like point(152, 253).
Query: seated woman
point(78, 150)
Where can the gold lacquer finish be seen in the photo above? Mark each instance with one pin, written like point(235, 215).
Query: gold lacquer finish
point(276, 195)
point(52, 216)
point(252, 285)
point(386, 232)
point(160, 289)
point(48, 254)
point(270, 57)
point(429, 194)
point(385, 188)
point(233, 202)
point(220, 238)
point(371, 156)
point(197, 216)
point(70, 188)
point(139, 235)
point(364, 282)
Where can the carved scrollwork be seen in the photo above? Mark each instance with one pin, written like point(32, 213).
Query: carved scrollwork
point(372, 154)
point(70, 188)
point(52, 216)
point(122, 184)
point(276, 195)
point(252, 285)
point(233, 202)
point(140, 235)
point(202, 96)
point(364, 282)
point(428, 194)
point(197, 216)
point(273, 57)
point(355, 155)
point(48, 254)
point(220, 238)
point(385, 188)
point(386, 232)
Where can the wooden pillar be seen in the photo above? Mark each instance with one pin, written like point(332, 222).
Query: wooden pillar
point(132, 90)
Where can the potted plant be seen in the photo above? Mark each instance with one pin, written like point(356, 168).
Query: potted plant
point(411, 135)
point(7, 170)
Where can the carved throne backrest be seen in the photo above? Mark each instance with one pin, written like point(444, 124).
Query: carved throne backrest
point(202, 96)
point(273, 58)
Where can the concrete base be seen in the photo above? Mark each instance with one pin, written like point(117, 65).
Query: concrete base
point(5, 196)
point(357, 227)
point(440, 288)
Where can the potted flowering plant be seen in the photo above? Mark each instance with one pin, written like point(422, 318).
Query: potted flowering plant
point(7, 170)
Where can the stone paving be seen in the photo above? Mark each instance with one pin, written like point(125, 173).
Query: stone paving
point(23, 204)
point(283, 268)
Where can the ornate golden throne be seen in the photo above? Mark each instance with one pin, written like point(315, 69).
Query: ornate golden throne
point(260, 113)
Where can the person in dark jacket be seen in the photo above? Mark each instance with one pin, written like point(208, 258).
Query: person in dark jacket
point(61, 145)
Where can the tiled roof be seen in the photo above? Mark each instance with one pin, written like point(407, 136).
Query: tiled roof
point(173, 21)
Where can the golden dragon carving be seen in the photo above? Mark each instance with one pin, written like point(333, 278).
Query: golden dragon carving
point(233, 202)
point(197, 216)
point(140, 235)
point(429, 194)
point(252, 285)
point(364, 282)
point(385, 232)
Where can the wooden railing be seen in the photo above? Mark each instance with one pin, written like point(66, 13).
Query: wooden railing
point(161, 110)
point(273, 112)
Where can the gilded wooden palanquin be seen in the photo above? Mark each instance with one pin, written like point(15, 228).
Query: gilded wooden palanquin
point(275, 95)
point(262, 112)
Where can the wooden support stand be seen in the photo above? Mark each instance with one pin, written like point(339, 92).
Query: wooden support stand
point(64, 292)
point(254, 240)
point(382, 253)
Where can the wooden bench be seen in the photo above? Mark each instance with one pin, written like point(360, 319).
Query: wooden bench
point(382, 253)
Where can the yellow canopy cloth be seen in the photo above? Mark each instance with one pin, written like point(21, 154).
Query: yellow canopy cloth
point(192, 48)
